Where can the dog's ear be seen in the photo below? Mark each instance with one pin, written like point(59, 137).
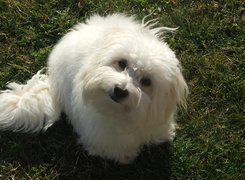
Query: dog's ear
point(165, 101)
point(179, 89)
point(167, 96)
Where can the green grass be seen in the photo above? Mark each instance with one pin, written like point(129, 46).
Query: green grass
point(210, 44)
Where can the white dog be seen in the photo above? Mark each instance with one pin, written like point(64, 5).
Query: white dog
point(114, 78)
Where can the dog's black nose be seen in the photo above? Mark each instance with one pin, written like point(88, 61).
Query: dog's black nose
point(119, 94)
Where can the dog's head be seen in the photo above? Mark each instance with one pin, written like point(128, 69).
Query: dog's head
point(129, 71)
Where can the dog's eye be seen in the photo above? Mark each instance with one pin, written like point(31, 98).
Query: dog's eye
point(122, 64)
point(145, 82)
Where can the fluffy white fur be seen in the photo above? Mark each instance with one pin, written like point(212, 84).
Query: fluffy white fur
point(83, 71)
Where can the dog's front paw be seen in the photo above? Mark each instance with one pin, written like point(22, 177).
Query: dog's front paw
point(127, 159)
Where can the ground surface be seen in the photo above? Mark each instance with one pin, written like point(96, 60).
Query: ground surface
point(209, 43)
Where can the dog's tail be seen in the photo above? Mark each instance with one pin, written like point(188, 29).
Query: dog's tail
point(28, 107)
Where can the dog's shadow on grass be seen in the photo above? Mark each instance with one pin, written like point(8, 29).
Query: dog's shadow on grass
point(58, 149)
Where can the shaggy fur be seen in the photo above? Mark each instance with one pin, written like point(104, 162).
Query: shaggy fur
point(116, 81)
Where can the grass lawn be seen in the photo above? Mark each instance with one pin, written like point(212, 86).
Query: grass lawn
point(210, 141)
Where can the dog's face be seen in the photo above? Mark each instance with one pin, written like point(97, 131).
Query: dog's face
point(132, 74)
